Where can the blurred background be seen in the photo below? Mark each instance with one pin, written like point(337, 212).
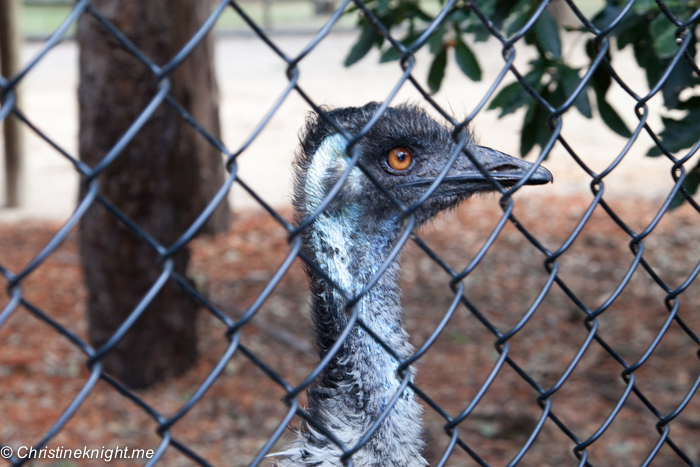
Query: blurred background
point(40, 371)
point(251, 77)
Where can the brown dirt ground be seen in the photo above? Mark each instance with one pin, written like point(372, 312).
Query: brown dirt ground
point(40, 372)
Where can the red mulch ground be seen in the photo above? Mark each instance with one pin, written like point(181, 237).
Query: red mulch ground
point(40, 371)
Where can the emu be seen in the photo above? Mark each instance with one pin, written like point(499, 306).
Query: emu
point(406, 150)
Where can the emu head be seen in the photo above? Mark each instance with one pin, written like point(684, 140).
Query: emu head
point(405, 150)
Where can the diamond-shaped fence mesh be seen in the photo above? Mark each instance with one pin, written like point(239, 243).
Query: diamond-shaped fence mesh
point(572, 438)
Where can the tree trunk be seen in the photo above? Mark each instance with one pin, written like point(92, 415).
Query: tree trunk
point(9, 66)
point(162, 180)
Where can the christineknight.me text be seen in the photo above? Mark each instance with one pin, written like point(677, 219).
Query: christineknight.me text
point(106, 454)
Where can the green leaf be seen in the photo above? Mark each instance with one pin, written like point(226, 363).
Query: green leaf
point(509, 99)
point(557, 95)
point(392, 53)
point(514, 96)
point(437, 71)
point(384, 7)
point(664, 33)
point(600, 80)
point(569, 80)
point(413, 10)
point(503, 9)
point(466, 60)
point(646, 56)
point(435, 40)
point(654, 152)
point(680, 78)
point(535, 128)
point(679, 134)
point(644, 6)
point(611, 118)
point(689, 104)
point(481, 33)
point(691, 183)
point(568, 28)
point(606, 16)
point(547, 34)
point(458, 16)
point(368, 38)
point(631, 30)
point(517, 23)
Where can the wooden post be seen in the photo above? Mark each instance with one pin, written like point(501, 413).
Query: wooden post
point(9, 65)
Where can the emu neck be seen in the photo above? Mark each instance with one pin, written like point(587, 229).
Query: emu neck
point(361, 379)
point(350, 246)
point(351, 258)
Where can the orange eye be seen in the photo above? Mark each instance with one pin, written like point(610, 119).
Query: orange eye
point(399, 159)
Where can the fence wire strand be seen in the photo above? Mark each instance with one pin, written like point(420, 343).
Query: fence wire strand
point(590, 317)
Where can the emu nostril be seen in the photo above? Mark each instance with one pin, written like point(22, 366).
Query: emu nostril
point(504, 168)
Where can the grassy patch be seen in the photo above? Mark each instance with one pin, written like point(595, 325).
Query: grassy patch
point(42, 20)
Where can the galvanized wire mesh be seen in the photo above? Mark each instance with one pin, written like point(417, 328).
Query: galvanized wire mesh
point(17, 303)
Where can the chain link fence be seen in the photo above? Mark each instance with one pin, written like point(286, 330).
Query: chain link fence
point(589, 317)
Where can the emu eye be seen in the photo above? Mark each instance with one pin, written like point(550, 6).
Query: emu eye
point(399, 159)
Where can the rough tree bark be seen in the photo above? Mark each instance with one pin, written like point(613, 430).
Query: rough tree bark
point(162, 180)
point(14, 142)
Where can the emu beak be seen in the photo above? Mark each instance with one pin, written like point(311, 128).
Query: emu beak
point(507, 169)
point(465, 178)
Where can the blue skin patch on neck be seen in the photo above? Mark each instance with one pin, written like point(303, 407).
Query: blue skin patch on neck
point(329, 156)
point(351, 260)
point(350, 250)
